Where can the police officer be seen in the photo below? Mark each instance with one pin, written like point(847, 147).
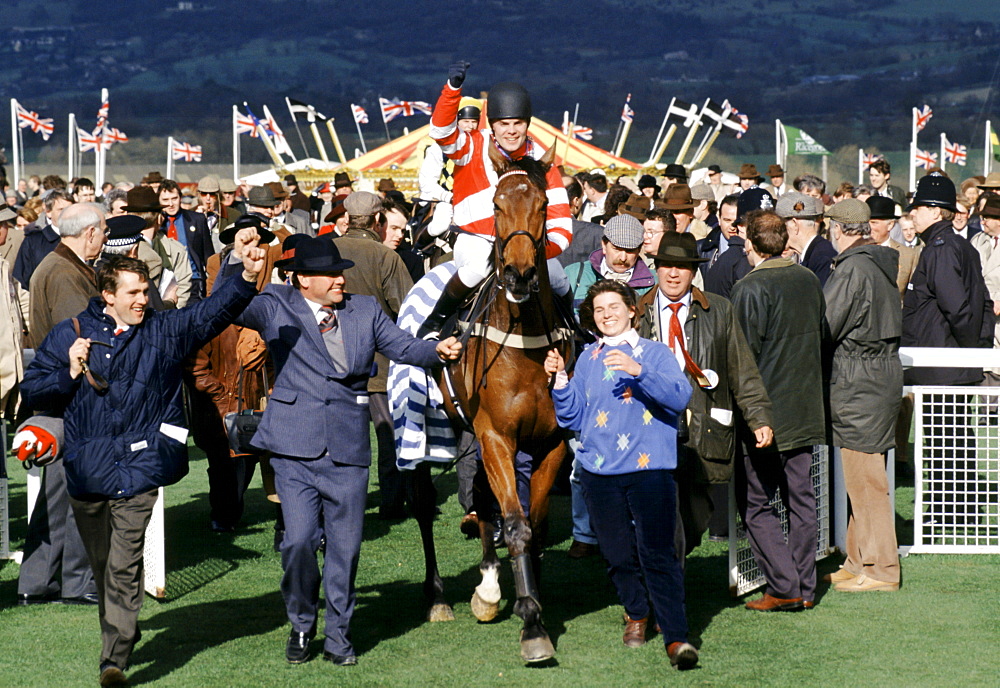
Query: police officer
point(946, 305)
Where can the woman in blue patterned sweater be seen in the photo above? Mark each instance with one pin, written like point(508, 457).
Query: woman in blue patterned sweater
point(624, 399)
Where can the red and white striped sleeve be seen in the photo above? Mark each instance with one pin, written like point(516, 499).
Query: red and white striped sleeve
point(558, 220)
point(444, 126)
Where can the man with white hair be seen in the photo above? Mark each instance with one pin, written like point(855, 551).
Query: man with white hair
point(802, 214)
point(61, 287)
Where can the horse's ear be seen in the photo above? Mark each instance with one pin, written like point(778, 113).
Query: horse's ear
point(547, 159)
point(500, 163)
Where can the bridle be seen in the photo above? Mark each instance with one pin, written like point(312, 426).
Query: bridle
point(500, 243)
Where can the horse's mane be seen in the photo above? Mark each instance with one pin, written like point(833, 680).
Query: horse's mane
point(535, 169)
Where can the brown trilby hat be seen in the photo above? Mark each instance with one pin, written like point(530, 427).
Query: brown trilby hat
point(637, 205)
point(678, 197)
point(678, 247)
point(142, 199)
point(992, 206)
point(154, 177)
point(749, 171)
point(278, 190)
point(386, 185)
point(775, 171)
point(342, 179)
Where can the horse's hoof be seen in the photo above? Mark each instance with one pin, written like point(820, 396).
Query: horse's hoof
point(536, 650)
point(440, 612)
point(482, 610)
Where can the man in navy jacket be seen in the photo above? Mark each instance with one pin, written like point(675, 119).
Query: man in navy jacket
point(323, 343)
point(117, 384)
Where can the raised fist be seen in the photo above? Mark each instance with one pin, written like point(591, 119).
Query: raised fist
point(456, 73)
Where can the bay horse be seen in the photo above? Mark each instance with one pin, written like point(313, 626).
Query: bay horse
point(501, 387)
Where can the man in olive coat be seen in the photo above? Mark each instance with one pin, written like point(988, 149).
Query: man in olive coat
point(866, 386)
point(780, 308)
point(728, 389)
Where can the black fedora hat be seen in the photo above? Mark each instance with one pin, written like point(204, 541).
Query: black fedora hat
point(882, 208)
point(678, 247)
point(675, 171)
point(315, 255)
point(228, 235)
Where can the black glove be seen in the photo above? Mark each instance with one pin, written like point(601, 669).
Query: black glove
point(456, 73)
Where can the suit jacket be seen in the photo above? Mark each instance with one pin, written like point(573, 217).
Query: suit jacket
point(61, 287)
point(314, 408)
point(819, 257)
point(199, 240)
point(908, 257)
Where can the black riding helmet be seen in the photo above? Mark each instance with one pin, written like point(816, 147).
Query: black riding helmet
point(508, 100)
point(469, 112)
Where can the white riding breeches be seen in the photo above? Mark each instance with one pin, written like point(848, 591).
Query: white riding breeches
point(472, 256)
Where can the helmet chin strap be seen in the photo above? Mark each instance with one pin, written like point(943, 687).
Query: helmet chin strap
point(527, 142)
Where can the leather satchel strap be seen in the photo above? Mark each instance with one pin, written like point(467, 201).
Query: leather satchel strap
point(95, 381)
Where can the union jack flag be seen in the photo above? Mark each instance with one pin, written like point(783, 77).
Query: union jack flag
point(112, 135)
point(585, 133)
point(870, 159)
point(391, 109)
point(186, 152)
point(627, 112)
point(926, 159)
point(737, 122)
point(923, 116)
point(245, 125)
point(38, 124)
point(360, 116)
point(102, 114)
point(89, 141)
point(955, 153)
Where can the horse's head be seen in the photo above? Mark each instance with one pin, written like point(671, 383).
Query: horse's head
point(519, 219)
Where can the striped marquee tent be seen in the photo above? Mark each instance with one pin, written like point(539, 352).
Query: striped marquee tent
point(407, 152)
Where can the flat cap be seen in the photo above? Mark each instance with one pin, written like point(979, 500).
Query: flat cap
point(798, 204)
point(702, 192)
point(361, 203)
point(262, 197)
point(208, 184)
point(624, 231)
point(849, 211)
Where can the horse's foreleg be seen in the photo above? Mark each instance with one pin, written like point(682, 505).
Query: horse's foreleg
point(423, 498)
point(486, 598)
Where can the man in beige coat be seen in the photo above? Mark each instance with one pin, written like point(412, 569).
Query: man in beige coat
point(11, 320)
point(986, 243)
point(883, 217)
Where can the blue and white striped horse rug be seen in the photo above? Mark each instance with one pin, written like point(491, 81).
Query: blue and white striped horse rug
point(423, 431)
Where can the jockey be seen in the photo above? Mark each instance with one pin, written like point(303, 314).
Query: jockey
point(509, 113)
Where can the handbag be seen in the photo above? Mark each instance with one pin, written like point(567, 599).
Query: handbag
point(241, 425)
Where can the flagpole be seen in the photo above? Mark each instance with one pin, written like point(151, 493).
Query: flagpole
point(336, 140)
point(944, 144)
point(663, 146)
point(777, 141)
point(913, 151)
point(700, 155)
point(73, 149)
point(297, 130)
point(385, 122)
point(270, 118)
point(262, 133)
point(319, 142)
point(695, 126)
point(987, 151)
point(663, 125)
point(236, 147)
point(726, 111)
point(170, 157)
point(572, 132)
point(861, 165)
point(14, 141)
point(614, 144)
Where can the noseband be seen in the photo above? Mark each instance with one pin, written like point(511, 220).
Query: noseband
point(501, 242)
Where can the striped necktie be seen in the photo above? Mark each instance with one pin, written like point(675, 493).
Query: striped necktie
point(329, 320)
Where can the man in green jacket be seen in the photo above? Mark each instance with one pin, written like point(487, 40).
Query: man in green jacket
point(866, 386)
point(727, 387)
point(780, 308)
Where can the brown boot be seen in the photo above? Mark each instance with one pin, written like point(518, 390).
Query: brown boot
point(635, 632)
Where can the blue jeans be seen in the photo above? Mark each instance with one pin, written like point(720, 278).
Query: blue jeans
point(635, 529)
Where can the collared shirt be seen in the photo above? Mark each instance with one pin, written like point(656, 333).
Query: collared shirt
point(964, 232)
point(317, 313)
point(663, 308)
point(608, 273)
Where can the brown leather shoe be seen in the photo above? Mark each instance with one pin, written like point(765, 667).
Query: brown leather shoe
point(767, 603)
point(682, 655)
point(470, 525)
point(581, 550)
point(808, 604)
point(635, 632)
point(112, 677)
point(839, 576)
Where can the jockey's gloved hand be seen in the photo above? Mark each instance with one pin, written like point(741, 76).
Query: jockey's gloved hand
point(456, 73)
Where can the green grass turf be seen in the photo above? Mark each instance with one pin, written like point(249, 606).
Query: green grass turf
point(223, 623)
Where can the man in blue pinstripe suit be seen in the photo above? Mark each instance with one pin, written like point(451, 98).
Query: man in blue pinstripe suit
point(322, 341)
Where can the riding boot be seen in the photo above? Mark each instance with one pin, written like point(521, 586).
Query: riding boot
point(455, 292)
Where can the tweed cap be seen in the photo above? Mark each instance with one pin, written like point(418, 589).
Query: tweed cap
point(361, 203)
point(624, 231)
point(262, 197)
point(208, 184)
point(849, 211)
point(702, 192)
point(798, 204)
point(6, 214)
point(227, 186)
